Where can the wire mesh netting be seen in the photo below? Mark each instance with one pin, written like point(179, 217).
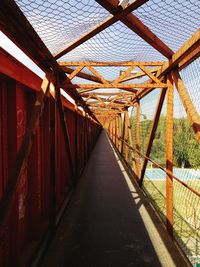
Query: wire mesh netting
point(110, 73)
point(191, 78)
point(154, 183)
point(59, 22)
point(186, 160)
point(147, 111)
point(187, 169)
point(173, 21)
point(116, 43)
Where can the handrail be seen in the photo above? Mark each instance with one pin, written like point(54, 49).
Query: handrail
point(160, 167)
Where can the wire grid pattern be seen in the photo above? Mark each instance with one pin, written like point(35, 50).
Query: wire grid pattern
point(185, 146)
point(60, 22)
point(191, 79)
point(116, 43)
point(133, 125)
point(154, 185)
point(110, 73)
point(186, 206)
point(143, 79)
point(173, 21)
point(154, 179)
point(148, 106)
point(187, 168)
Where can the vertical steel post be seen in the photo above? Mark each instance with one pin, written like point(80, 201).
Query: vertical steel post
point(114, 128)
point(123, 136)
point(52, 163)
point(113, 131)
point(169, 156)
point(117, 132)
point(120, 132)
point(130, 142)
point(126, 135)
point(137, 154)
point(76, 142)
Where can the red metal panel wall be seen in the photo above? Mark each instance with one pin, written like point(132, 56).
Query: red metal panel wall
point(29, 218)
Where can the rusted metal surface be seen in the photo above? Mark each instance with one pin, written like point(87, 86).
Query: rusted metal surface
point(137, 156)
point(152, 134)
point(136, 25)
point(45, 141)
point(169, 156)
point(187, 103)
point(29, 198)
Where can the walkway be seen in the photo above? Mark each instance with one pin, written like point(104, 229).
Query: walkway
point(107, 224)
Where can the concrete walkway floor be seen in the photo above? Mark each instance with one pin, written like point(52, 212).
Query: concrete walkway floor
point(107, 222)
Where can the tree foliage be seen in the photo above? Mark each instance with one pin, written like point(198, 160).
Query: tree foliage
point(186, 149)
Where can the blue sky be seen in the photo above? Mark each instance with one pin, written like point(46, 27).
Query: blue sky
point(192, 81)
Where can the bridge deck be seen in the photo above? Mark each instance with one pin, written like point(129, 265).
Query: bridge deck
point(108, 222)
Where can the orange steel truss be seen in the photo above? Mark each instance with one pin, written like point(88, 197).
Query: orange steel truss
point(106, 101)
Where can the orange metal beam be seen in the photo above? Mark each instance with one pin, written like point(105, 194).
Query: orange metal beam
point(187, 103)
point(169, 156)
point(139, 74)
point(102, 26)
point(136, 25)
point(111, 63)
point(184, 55)
point(114, 85)
point(152, 134)
point(137, 155)
point(81, 74)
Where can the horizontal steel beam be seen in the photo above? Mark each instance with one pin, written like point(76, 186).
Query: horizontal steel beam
point(113, 85)
point(111, 64)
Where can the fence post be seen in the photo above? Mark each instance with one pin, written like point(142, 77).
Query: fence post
point(169, 156)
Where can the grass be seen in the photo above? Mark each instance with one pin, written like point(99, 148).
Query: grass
point(186, 206)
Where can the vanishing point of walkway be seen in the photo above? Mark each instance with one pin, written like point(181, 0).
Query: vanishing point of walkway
point(107, 222)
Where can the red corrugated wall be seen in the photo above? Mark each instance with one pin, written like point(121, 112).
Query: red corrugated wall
point(29, 217)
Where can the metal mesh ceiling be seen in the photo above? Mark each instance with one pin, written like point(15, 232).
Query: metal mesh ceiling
point(173, 21)
point(58, 22)
point(61, 22)
point(116, 43)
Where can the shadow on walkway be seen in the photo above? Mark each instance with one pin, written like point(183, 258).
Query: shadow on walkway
point(105, 223)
